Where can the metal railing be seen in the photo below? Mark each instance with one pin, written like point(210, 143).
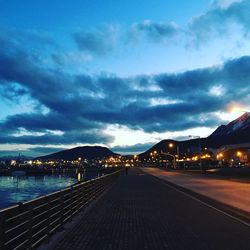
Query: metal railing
point(27, 225)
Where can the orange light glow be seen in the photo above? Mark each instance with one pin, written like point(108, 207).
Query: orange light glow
point(239, 153)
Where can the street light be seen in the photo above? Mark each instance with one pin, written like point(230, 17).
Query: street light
point(171, 145)
point(168, 154)
point(239, 153)
point(135, 159)
point(198, 137)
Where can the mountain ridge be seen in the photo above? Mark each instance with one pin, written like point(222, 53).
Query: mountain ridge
point(242, 122)
point(84, 152)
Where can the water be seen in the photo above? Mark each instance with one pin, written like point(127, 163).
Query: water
point(14, 189)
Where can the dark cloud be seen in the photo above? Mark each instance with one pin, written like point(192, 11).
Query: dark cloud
point(100, 41)
point(45, 150)
point(49, 138)
point(34, 151)
point(12, 91)
point(10, 153)
point(154, 31)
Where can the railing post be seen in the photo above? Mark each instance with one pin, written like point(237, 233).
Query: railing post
point(2, 226)
point(48, 218)
point(82, 195)
point(94, 189)
point(78, 198)
point(90, 191)
point(71, 203)
point(30, 225)
point(61, 210)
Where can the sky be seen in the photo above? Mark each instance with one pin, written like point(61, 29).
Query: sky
point(121, 74)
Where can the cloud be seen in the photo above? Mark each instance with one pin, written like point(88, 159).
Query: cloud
point(219, 19)
point(72, 137)
point(36, 38)
point(33, 151)
point(137, 148)
point(100, 41)
point(80, 106)
point(68, 58)
point(156, 32)
point(45, 150)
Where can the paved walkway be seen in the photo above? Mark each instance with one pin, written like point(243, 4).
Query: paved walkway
point(233, 193)
point(140, 212)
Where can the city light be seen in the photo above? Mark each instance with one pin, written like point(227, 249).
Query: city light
point(239, 154)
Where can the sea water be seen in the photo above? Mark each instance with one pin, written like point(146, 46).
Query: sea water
point(16, 189)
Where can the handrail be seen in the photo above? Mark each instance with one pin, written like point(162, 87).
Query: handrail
point(28, 224)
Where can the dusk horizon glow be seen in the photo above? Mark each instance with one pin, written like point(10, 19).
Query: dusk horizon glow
point(122, 74)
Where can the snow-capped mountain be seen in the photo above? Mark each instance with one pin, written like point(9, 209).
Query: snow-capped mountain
point(240, 124)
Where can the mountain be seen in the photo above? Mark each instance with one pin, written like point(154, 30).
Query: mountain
point(238, 125)
point(86, 152)
point(235, 132)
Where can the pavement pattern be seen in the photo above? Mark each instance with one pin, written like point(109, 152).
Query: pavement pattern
point(140, 212)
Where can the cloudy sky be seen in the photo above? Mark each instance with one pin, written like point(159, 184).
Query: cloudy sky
point(124, 74)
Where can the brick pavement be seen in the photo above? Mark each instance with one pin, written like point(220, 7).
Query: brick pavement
point(139, 212)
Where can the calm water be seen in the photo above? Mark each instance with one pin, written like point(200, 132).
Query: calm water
point(15, 189)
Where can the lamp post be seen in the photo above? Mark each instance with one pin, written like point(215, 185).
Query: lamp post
point(135, 160)
point(239, 154)
point(171, 145)
point(167, 154)
point(198, 137)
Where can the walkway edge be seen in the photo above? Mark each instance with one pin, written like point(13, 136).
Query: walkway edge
point(233, 212)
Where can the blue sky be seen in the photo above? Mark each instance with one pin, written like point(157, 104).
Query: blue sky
point(124, 74)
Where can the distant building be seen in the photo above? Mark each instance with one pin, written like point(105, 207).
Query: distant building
point(234, 154)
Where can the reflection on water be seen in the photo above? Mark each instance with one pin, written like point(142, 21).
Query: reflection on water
point(14, 189)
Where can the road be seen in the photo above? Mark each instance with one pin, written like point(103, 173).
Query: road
point(140, 212)
point(236, 194)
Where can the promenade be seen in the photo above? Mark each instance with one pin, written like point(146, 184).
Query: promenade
point(140, 212)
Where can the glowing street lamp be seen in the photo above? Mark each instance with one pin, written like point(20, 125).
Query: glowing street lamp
point(239, 154)
point(135, 159)
point(219, 156)
point(171, 145)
